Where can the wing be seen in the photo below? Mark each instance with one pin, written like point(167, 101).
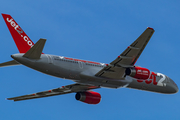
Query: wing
point(58, 91)
point(116, 68)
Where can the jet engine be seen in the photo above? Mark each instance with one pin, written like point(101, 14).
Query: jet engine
point(138, 72)
point(89, 97)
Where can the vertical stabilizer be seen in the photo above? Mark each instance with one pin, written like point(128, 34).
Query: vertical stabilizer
point(23, 42)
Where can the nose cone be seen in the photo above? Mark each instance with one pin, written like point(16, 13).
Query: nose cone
point(173, 87)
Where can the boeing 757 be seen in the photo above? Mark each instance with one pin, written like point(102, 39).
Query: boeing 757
point(87, 75)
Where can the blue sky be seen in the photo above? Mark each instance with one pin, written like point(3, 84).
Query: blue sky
point(92, 30)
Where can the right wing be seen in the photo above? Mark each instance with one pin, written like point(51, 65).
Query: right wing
point(116, 68)
point(132, 52)
point(58, 91)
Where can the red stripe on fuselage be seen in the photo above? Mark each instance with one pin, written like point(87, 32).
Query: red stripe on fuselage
point(82, 60)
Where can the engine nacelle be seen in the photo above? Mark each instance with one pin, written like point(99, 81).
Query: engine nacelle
point(89, 97)
point(138, 72)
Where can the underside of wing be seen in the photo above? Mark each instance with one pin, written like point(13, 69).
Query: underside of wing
point(58, 91)
point(116, 69)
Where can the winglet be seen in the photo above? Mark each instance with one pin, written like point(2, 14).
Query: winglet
point(23, 42)
point(36, 51)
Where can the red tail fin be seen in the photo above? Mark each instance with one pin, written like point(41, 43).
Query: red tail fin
point(23, 42)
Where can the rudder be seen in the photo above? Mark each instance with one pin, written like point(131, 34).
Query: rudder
point(23, 42)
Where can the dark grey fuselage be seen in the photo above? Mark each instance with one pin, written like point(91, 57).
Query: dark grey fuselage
point(84, 72)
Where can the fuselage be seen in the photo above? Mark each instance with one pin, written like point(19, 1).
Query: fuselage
point(88, 75)
point(83, 71)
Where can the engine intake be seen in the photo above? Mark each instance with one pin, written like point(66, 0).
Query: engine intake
point(89, 97)
point(138, 72)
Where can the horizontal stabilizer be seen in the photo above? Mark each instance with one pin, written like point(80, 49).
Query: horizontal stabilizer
point(36, 51)
point(9, 63)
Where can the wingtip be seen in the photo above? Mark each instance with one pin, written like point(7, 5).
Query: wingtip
point(150, 28)
point(10, 99)
point(6, 98)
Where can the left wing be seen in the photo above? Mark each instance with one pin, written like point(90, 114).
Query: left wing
point(116, 69)
point(58, 91)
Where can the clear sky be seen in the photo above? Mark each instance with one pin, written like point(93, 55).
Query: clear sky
point(96, 30)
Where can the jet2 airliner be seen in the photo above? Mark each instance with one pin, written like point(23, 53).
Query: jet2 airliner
point(87, 75)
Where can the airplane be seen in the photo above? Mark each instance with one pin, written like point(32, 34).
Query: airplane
point(87, 75)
